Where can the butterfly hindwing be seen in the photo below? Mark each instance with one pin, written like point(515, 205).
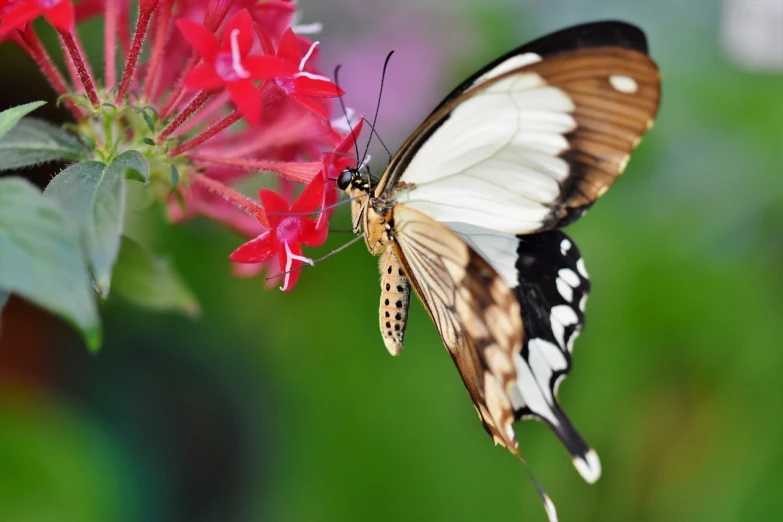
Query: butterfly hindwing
point(552, 291)
point(476, 313)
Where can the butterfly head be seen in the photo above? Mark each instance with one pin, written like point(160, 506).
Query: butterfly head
point(351, 180)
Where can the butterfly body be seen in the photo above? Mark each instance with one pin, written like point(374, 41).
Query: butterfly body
point(469, 212)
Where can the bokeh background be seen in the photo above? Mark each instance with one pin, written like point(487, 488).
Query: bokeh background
point(287, 407)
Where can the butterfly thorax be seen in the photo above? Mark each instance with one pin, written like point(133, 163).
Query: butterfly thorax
point(371, 214)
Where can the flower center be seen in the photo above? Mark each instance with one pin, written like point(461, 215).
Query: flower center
point(289, 229)
point(228, 65)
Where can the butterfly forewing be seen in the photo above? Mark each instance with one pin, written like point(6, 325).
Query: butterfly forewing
point(529, 148)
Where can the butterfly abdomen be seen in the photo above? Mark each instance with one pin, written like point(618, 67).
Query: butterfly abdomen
point(395, 298)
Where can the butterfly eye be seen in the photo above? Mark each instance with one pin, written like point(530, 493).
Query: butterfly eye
point(344, 180)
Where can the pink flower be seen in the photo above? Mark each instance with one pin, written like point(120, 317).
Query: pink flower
point(59, 13)
point(301, 86)
point(291, 228)
point(227, 64)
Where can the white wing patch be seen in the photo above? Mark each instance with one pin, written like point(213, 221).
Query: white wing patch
point(502, 176)
point(497, 248)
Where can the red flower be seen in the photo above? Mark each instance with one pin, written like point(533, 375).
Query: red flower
point(227, 64)
point(302, 85)
point(291, 228)
point(333, 164)
point(17, 13)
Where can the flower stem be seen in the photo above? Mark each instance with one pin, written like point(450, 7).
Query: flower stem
point(194, 105)
point(32, 46)
point(301, 172)
point(77, 57)
point(175, 96)
point(133, 56)
point(240, 201)
point(204, 136)
point(110, 44)
point(162, 21)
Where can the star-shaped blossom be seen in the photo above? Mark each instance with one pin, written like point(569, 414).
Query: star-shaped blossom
point(291, 227)
point(333, 163)
point(302, 86)
point(18, 13)
point(227, 64)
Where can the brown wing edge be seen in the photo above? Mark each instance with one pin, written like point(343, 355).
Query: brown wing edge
point(488, 330)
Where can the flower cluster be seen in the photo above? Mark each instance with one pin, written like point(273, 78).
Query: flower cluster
point(210, 93)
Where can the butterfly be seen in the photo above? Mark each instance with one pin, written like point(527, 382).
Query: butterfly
point(469, 214)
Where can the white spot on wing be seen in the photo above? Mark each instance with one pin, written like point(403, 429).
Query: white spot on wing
point(569, 276)
point(623, 83)
point(580, 266)
point(583, 303)
point(565, 246)
point(565, 290)
point(530, 390)
point(515, 62)
point(589, 467)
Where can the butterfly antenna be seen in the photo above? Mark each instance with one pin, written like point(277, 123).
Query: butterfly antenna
point(316, 261)
point(378, 105)
point(549, 506)
point(345, 111)
point(379, 137)
point(327, 207)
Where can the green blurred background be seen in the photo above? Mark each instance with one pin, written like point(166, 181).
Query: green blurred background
point(287, 407)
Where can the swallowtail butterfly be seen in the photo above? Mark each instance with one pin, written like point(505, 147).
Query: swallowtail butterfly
point(469, 213)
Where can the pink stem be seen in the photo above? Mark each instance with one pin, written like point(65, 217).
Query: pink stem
point(82, 70)
point(110, 43)
point(204, 136)
point(32, 46)
point(301, 172)
point(162, 21)
point(217, 103)
point(240, 201)
point(194, 105)
point(179, 88)
point(135, 50)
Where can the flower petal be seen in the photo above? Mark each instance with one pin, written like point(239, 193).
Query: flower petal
point(244, 23)
point(247, 99)
point(313, 105)
point(328, 200)
point(18, 16)
point(256, 250)
point(346, 145)
point(274, 204)
point(315, 88)
point(266, 41)
point(268, 67)
point(200, 38)
point(203, 77)
point(310, 198)
point(289, 48)
point(312, 235)
point(60, 16)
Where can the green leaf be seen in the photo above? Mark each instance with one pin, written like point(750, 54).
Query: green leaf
point(33, 141)
point(148, 141)
point(133, 166)
point(94, 196)
point(41, 258)
point(149, 281)
point(10, 117)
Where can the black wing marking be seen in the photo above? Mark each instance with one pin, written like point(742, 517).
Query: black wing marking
point(595, 34)
point(552, 292)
